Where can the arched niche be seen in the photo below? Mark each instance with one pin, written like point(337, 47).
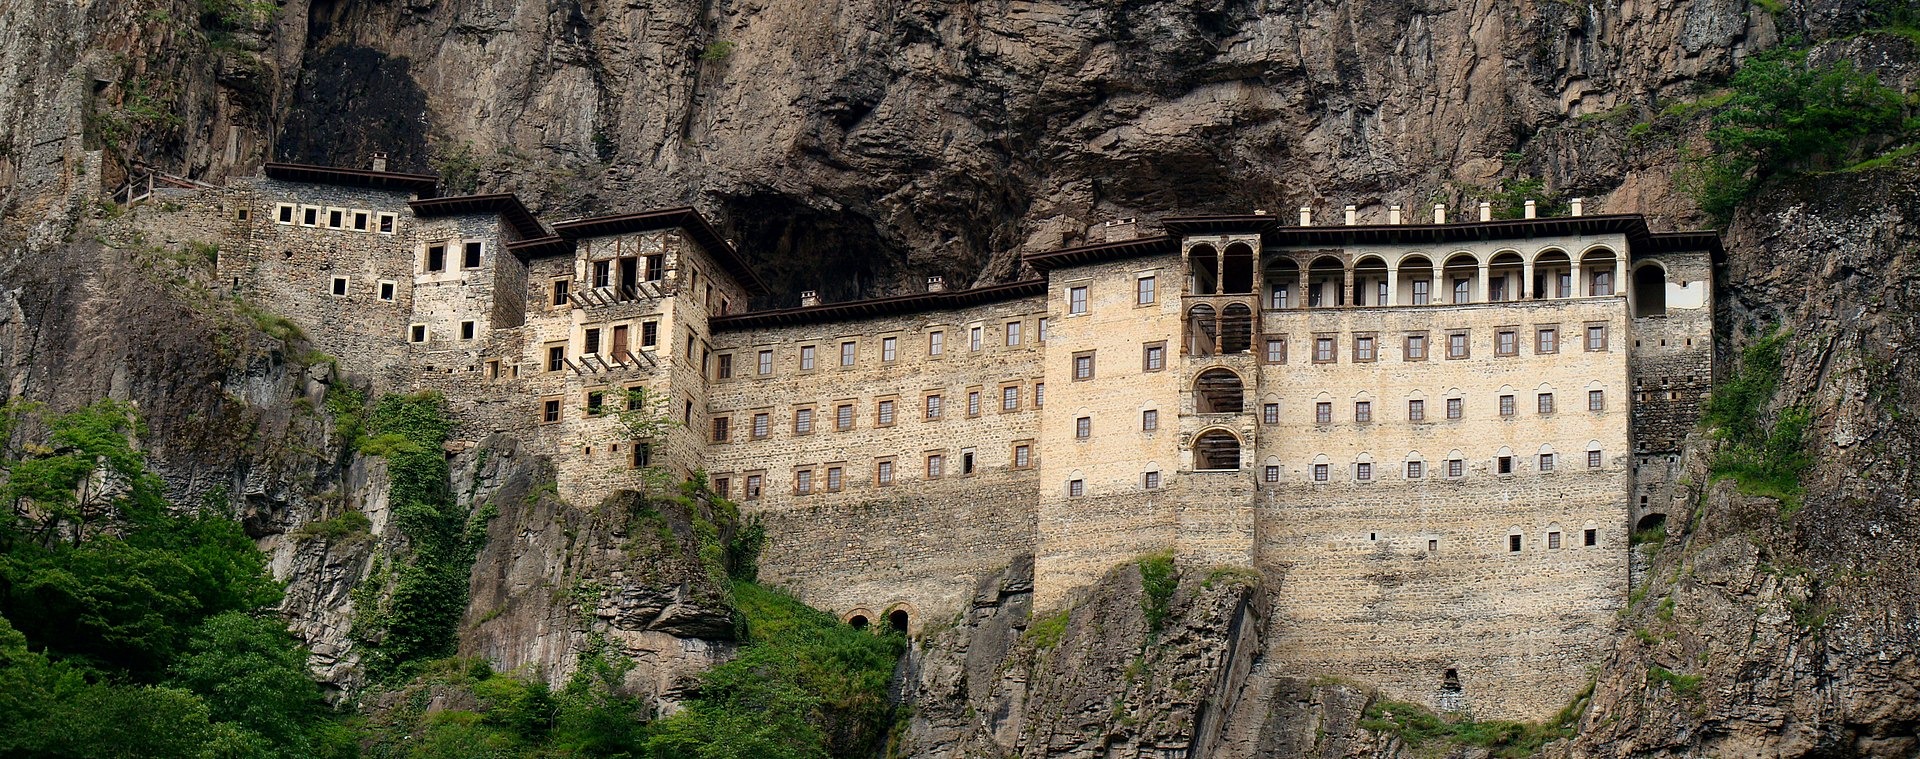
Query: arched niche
point(1218, 391)
point(1216, 450)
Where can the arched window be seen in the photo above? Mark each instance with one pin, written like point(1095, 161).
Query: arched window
point(1370, 282)
point(1552, 274)
point(1216, 450)
point(1283, 283)
point(1326, 283)
point(1203, 270)
point(1416, 282)
point(1649, 291)
point(859, 621)
point(1236, 328)
point(1236, 276)
point(1450, 682)
point(1596, 268)
point(1504, 273)
point(1203, 330)
point(1218, 391)
point(1462, 271)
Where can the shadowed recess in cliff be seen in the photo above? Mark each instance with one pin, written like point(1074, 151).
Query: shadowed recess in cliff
point(351, 101)
point(840, 254)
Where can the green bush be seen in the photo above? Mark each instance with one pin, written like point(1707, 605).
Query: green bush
point(1157, 583)
point(1419, 727)
point(1685, 686)
point(1765, 459)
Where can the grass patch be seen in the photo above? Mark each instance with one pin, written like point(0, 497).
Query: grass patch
point(1045, 632)
point(349, 523)
point(1684, 686)
point(1419, 727)
point(1655, 535)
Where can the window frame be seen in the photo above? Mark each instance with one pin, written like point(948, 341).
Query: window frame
point(1588, 340)
point(1415, 347)
point(1326, 348)
point(1079, 300)
point(1153, 356)
point(1366, 348)
point(1078, 376)
point(1506, 342)
point(1144, 290)
point(1462, 338)
point(1546, 339)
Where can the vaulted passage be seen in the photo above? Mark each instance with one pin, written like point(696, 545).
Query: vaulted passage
point(897, 621)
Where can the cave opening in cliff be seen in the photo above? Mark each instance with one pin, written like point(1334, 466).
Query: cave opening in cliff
point(841, 254)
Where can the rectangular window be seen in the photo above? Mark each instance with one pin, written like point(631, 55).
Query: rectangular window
point(1363, 411)
point(933, 407)
point(284, 213)
point(834, 478)
point(754, 483)
point(470, 255)
point(806, 358)
point(936, 465)
point(339, 285)
point(1596, 400)
point(336, 218)
point(1076, 488)
point(1276, 350)
point(1546, 462)
point(846, 354)
point(1593, 459)
point(1013, 334)
point(1154, 358)
point(1319, 472)
point(762, 426)
point(592, 342)
point(1553, 541)
point(1421, 292)
point(1022, 456)
point(1456, 345)
point(1150, 480)
point(386, 290)
point(1010, 398)
point(1456, 408)
point(309, 216)
point(1503, 465)
point(723, 486)
point(1143, 291)
point(1456, 468)
point(1279, 296)
point(973, 403)
point(467, 329)
point(1077, 300)
point(436, 258)
point(1590, 537)
point(1042, 334)
point(843, 416)
point(1083, 427)
point(1416, 411)
point(1546, 403)
point(889, 348)
point(1417, 347)
point(1363, 348)
point(1506, 343)
point(883, 472)
point(1513, 543)
point(883, 413)
point(1270, 413)
point(550, 411)
point(1323, 413)
point(936, 343)
point(1596, 337)
point(766, 360)
point(556, 357)
point(725, 368)
point(602, 273)
point(803, 421)
point(720, 428)
point(1506, 405)
point(803, 482)
point(1462, 290)
point(1149, 420)
point(560, 288)
point(1083, 365)
point(1322, 350)
point(650, 337)
point(1272, 474)
point(974, 339)
point(966, 462)
point(1416, 470)
point(1363, 472)
point(1546, 340)
point(1039, 394)
point(360, 221)
point(386, 223)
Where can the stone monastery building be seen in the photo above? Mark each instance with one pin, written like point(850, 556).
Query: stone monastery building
point(1432, 439)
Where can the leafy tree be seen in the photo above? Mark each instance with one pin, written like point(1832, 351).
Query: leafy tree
point(253, 674)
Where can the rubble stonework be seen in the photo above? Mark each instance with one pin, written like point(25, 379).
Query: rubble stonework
point(1145, 394)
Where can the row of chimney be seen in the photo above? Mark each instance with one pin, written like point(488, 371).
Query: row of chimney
point(809, 298)
point(1575, 208)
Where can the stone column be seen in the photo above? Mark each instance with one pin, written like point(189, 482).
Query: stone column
point(1619, 272)
point(1480, 285)
point(1393, 287)
point(1300, 295)
point(1526, 279)
point(1346, 274)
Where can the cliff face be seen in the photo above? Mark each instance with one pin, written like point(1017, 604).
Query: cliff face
point(856, 146)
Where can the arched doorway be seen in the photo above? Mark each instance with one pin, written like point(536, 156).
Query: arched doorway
point(1649, 291)
point(1236, 270)
point(1216, 450)
point(1218, 391)
point(859, 621)
point(897, 621)
point(1236, 328)
point(1326, 283)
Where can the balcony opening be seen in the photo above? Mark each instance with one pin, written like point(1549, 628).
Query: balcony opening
point(1217, 450)
point(1218, 391)
point(1236, 276)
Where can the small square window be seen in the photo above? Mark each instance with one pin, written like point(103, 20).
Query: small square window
point(724, 369)
point(1456, 468)
point(1022, 456)
point(1596, 337)
point(561, 290)
point(556, 357)
point(843, 417)
point(1270, 413)
point(336, 218)
point(1272, 473)
point(1039, 394)
point(883, 413)
point(1546, 462)
point(806, 358)
point(1319, 472)
point(975, 341)
point(284, 213)
point(1506, 405)
point(1013, 334)
point(596, 402)
point(803, 421)
point(973, 403)
point(386, 290)
point(1363, 348)
point(1545, 403)
point(1010, 398)
point(764, 367)
point(1154, 357)
point(933, 407)
point(847, 352)
point(1083, 427)
point(550, 411)
point(1457, 345)
point(1323, 413)
point(1513, 543)
point(1083, 365)
point(1416, 470)
point(1456, 407)
point(889, 348)
point(883, 472)
point(591, 340)
point(803, 482)
point(1363, 472)
point(1506, 342)
point(1143, 291)
point(1504, 465)
point(966, 462)
point(1323, 350)
point(1276, 350)
point(360, 221)
point(417, 333)
point(1546, 340)
point(470, 255)
point(339, 285)
point(721, 428)
point(762, 426)
point(1363, 411)
point(386, 223)
point(1590, 537)
point(936, 343)
point(1596, 400)
point(437, 257)
point(754, 484)
point(1593, 459)
point(1417, 347)
point(309, 216)
point(936, 466)
point(467, 329)
point(1553, 541)
point(834, 479)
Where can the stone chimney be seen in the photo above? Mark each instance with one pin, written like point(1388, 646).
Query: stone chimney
point(1353, 215)
point(1574, 206)
point(1393, 214)
point(1306, 216)
point(809, 298)
point(1533, 210)
point(1259, 211)
point(1486, 211)
point(1117, 230)
point(936, 284)
point(380, 160)
point(1439, 213)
